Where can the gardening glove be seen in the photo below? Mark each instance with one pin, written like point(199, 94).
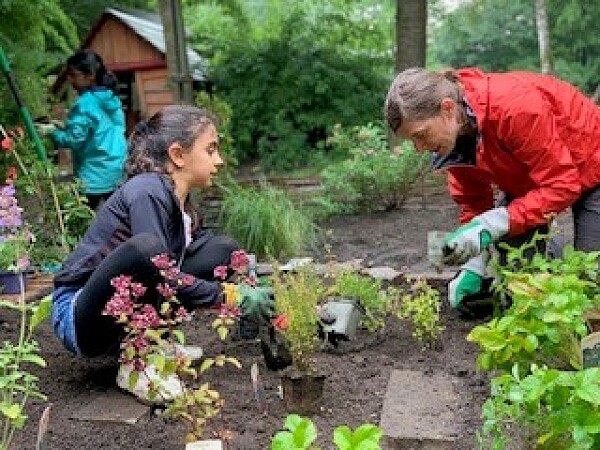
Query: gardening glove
point(45, 129)
point(255, 303)
point(476, 236)
point(469, 280)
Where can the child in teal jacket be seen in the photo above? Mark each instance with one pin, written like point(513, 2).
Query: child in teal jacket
point(95, 128)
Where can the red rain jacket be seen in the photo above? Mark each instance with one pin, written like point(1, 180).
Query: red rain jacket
point(540, 143)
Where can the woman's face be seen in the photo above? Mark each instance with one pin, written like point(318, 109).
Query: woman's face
point(436, 134)
point(79, 80)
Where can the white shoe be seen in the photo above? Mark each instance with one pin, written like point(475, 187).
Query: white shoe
point(165, 389)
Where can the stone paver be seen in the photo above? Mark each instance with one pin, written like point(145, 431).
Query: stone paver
point(418, 411)
point(110, 406)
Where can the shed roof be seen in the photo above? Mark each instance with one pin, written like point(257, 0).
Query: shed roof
point(149, 27)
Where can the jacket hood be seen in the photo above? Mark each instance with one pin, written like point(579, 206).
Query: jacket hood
point(106, 98)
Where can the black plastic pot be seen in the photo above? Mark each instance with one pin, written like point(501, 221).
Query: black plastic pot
point(302, 392)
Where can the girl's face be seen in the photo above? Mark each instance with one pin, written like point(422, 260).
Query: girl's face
point(201, 163)
point(436, 134)
point(79, 80)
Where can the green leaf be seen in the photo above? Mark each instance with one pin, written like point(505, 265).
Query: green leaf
point(365, 437)
point(283, 440)
point(12, 411)
point(206, 364)
point(589, 393)
point(34, 359)
point(41, 312)
point(179, 335)
point(134, 377)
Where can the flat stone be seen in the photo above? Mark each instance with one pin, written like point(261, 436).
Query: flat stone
point(381, 273)
point(444, 275)
point(418, 411)
point(110, 406)
point(295, 263)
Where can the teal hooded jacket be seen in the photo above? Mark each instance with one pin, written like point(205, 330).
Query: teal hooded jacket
point(95, 133)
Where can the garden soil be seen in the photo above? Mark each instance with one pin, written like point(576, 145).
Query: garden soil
point(357, 371)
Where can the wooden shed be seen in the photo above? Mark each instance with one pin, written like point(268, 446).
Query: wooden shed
point(132, 45)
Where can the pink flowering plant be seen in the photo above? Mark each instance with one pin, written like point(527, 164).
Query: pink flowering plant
point(236, 274)
point(153, 339)
point(15, 238)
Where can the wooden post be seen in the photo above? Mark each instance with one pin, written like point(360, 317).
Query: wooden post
point(175, 51)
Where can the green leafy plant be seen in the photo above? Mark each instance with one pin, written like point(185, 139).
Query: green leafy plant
point(17, 383)
point(420, 304)
point(373, 175)
point(374, 299)
point(152, 337)
point(297, 295)
point(545, 323)
point(57, 213)
point(542, 392)
point(265, 221)
point(301, 433)
point(559, 409)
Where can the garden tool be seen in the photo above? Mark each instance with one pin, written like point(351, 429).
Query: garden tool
point(257, 388)
point(275, 348)
point(5, 67)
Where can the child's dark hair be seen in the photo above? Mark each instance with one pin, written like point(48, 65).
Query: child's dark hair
point(90, 63)
point(150, 140)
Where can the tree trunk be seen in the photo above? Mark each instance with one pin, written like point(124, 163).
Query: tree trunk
point(175, 51)
point(411, 33)
point(541, 20)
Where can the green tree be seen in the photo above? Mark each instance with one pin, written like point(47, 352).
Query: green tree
point(501, 35)
point(33, 47)
point(291, 71)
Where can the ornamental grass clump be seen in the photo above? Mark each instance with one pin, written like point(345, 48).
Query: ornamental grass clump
point(152, 344)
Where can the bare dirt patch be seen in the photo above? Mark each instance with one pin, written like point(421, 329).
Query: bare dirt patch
point(358, 371)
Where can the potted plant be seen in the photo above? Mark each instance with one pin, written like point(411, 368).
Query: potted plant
point(297, 295)
point(15, 243)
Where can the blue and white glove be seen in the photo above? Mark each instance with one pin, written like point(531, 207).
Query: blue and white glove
point(469, 281)
point(476, 236)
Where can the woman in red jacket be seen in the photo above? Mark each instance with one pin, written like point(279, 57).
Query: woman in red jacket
point(533, 137)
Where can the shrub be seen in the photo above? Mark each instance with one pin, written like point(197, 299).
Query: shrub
point(373, 176)
point(288, 91)
point(297, 295)
point(375, 300)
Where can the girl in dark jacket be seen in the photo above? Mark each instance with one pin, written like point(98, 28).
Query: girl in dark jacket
point(176, 151)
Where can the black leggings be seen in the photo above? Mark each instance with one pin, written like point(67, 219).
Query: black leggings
point(97, 334)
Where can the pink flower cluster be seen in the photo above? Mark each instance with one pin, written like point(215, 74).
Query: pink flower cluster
point(238, 263)
point(139, 317)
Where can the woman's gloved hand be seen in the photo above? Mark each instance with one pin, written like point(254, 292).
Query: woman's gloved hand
point(255, 303)
point(476, 236)
point(468, 281)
